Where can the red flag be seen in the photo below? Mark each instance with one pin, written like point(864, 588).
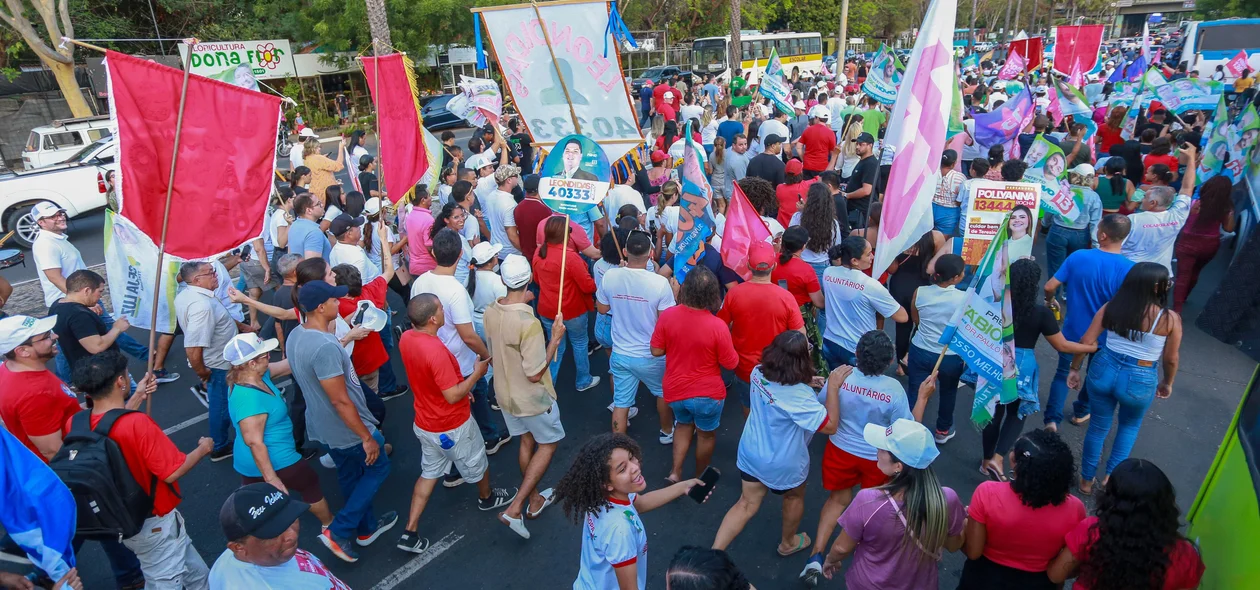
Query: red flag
point(1073, 43)
point(227, 154)
point(404, 159)
point(743, 228)
point(1030, 49)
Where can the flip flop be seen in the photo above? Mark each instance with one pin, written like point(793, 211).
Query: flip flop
point(993, 474)
point(802, 543)
point(1074, 421)
point(549, 496)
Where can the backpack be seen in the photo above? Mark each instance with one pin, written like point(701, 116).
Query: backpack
point(111, 504)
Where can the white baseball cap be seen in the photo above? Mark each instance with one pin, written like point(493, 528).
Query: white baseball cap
point(799, 105)
point(369, 316)
point(820, 112)
point(243, 348)
point(45, 209)
point(1083, 170)
point(484, 251)
point(307, 132)
point(515, 271)
point(475, 162)
point(909, 441)
point(668, 95)
point(372, 206)
point(17, 329)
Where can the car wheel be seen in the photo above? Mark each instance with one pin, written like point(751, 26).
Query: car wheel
point(23, 225)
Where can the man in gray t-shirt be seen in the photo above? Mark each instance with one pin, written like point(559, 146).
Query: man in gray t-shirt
point(323, 370)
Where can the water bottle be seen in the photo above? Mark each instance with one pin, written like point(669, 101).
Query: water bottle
point(447, 442)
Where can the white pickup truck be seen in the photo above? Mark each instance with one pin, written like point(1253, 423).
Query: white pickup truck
point(78, 186)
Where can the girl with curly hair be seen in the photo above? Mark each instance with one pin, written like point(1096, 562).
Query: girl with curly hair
point(1016, 528)
point(1131, 542)
point(602, 492)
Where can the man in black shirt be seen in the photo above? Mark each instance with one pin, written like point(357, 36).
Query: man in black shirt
point(831, 179)
point(1157, 122)
point(80, 331)
point(522, 145)
point(768, 165)
point(862, 181)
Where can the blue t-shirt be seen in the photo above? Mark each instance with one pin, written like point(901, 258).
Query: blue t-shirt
point(728, 130)
point(587, 220)
point(712, 91)
point(246, 401)
point(645, 97)
point(1090, 279)
point(306, 236)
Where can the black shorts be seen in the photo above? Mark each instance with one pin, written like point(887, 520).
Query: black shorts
point(750, 479)
point(301, 480)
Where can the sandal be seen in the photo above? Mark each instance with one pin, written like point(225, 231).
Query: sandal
point(549, 496)
point(802, 543)
point(1074, 421)
point(992, 473)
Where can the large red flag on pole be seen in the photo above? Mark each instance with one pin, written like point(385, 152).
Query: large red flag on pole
point(405, 156)
point(227, 155)
point(1074, 44)
point(1030, 49)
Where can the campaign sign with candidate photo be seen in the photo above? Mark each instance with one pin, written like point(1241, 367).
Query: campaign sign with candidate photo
point(575, 175)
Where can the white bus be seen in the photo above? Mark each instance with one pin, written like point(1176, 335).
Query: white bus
point(1213, 43)
point(801, 51)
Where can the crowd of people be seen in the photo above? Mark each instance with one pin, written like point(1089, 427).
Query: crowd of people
point(498, 290)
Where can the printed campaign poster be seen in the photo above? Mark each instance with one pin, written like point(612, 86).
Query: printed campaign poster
point(131, 262)
point(991, 201)
point(884, 76)
point(575, 176)
point(241, 63)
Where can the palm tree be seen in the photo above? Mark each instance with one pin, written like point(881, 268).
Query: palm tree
point(379, 25)
point(736, 44)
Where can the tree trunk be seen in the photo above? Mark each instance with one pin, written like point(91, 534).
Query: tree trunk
point(1036, 5)
point(971, 41)
point(737, 54)
point(1018, 4)
point(379, 25)
point(64, 73)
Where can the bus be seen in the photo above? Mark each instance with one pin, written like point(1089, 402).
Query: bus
point(796, 50)
point(1212, 43)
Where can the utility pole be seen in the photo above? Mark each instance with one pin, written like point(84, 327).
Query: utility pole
point(843, 39)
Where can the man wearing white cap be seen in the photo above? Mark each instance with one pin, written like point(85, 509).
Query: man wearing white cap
point(34, 403)
point(295, 154)
point(522, 384)
point(799, 122)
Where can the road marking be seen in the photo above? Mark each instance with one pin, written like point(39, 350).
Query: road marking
point(408, 569)
point(187, 423)
point(36, 279)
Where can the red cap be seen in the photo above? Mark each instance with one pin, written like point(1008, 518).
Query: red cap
point(794, 166)
point(658, 156)
point(761, 256)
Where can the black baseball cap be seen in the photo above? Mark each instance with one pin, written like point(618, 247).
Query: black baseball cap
point(259, 510)
point(773, 139)
point(864, 138)
point(342, 224)
point(315, 293)
point(531, 183)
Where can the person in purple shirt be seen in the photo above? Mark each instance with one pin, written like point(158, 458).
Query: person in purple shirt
point(1089, 278)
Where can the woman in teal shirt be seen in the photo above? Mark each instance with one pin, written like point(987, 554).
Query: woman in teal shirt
point(264, 449)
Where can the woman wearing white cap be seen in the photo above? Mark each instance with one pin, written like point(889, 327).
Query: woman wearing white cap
point(264, 449)
point(897, 533)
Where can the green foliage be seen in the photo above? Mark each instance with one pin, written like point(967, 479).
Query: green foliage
point(1217, 9)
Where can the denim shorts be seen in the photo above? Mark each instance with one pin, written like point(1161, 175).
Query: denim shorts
point(628, 371)
point(704, 412)
point(603, 330)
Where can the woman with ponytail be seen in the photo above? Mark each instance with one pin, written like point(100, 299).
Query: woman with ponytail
point(299, 180)
point(931, 309)
point(803, 284)
point(1114, 189)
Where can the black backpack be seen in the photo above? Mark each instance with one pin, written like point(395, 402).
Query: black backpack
point(111, 504)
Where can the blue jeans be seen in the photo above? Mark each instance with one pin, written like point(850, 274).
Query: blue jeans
point(220, 421)
point(1061, 242)
point(821, 314)
point(837, 355)
point(951, 369)
point(1116, 380)
point(575, 332)
point(359, 483)
point(1059, 393)
point(481, 411)
point(945, 220)
point(603, 330)
point(388, 382)
point(128, 344)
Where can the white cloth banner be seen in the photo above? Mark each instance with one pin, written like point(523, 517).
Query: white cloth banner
point(579, 35)
point(131, 264)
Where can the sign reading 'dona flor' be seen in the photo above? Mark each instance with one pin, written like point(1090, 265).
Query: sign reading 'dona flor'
point(229, 60)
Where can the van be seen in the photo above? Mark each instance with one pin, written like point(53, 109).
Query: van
point(56, 143)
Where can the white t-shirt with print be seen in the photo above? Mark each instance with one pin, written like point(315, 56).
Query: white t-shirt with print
point(277, 220)
point(457, 307)
point(50, 251)
point(781, 419)
point(636, 297)
point(302, 572)
point(866, 399)
point(853, 299)
point(499, 209)
point(612, 537)
point(1153, 234)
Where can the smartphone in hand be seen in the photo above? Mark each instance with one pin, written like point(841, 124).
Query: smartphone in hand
point(709, 478)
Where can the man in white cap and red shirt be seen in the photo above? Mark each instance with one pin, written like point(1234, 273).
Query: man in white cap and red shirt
point(34, 403)
point(819, 143)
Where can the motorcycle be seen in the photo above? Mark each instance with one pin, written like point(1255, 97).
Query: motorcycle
point(283, 145)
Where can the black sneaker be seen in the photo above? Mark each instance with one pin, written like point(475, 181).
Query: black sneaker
point(594, 347)
point(383, 524)
point(412, 543)
point(221, 454)
point(498, 497)
point(308, 454)
point(493, 446)
point(452, 480)
point(201, 394)
point(402, 390)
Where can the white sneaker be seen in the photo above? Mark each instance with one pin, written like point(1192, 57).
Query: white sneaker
point(327, 461)
point(516, 524)
point(666, 439)
point(633, 412)
point(594, 382)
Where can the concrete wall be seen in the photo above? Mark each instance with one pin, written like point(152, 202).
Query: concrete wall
point(23, 112)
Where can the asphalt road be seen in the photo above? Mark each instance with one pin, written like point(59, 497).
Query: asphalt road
point(473, 550)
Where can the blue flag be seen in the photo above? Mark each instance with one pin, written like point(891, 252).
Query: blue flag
point(38, 510)
point(1005, 123)
point(1134, 71)
point(1117, 75)
point(695, 214)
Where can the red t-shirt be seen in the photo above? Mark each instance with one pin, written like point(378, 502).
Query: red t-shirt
point(579, 287)
point(660, 141)
point(34, 403)
point(666, 110)
point(528, 215)
point(369, 353)
point(697, 346)
point(1166, 159)
point(431, 368)
point(1020, 537)
point(788, 195)
point(800, 277)
point(818, 140)
point(757, 312)
point(149, 453)
point(1107, 137)
point(1185, 568)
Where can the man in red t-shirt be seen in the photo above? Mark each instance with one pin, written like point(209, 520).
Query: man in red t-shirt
point(448, 434)
point(34, 403)
point(757, 311)
point(529, 214)
point(166, 554)
point(820, 145)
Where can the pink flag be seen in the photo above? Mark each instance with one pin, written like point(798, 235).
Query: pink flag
point(1014, 67)
point(1237, 64)
point(916, 131)
point(1076, 79)
point(743, 228)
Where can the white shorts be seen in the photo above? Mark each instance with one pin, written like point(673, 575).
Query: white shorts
point(545, 427)
point(468, 454)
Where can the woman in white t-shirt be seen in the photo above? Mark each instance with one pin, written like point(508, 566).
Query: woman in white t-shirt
point(333, 206)
point(783, 416)
point(854, 299)
point(601, 492)
point(662, 219)
point(276, 240)
point(931, 309)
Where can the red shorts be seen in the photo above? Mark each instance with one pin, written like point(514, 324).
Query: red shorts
point(842, 471)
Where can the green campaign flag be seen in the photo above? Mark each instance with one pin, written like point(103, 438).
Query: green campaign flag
point(955, 111)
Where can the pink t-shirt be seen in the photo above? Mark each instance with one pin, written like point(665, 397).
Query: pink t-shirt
point(881, 560)
point(1024, 538)
point(419, 223)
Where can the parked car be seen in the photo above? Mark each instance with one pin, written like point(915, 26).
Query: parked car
point(79, 186)
point(656, 74)
point(62, 140)
point(436, 117)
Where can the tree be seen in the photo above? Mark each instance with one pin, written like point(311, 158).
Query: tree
point(737, 54)
point(1217, 9)
point(56, 21)
point(378, 22)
